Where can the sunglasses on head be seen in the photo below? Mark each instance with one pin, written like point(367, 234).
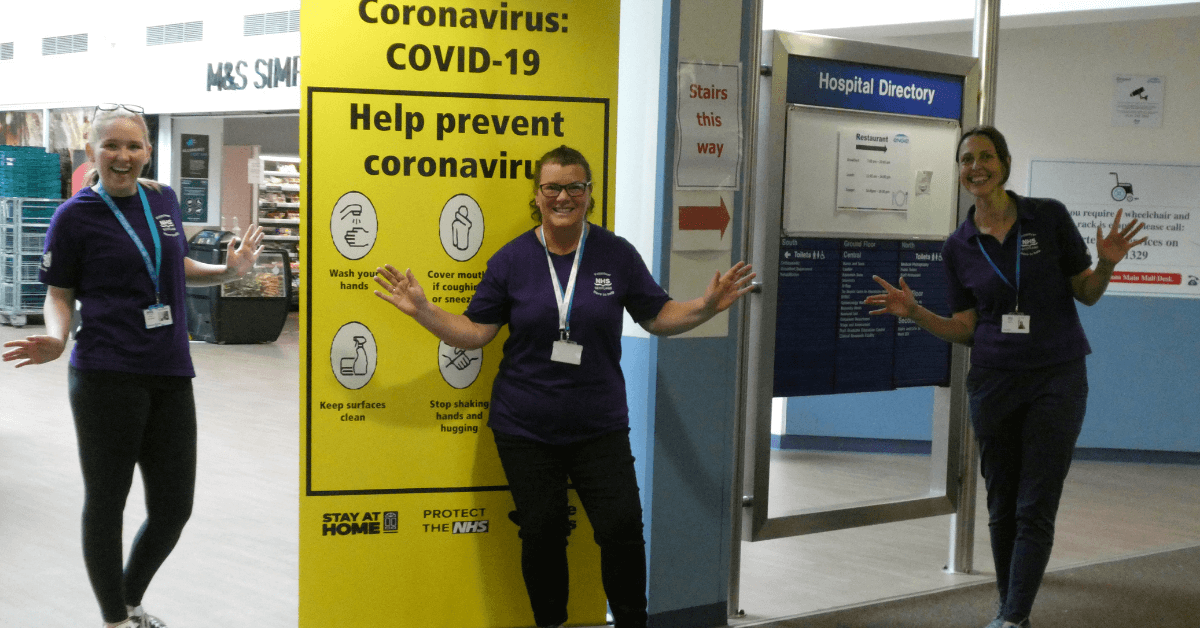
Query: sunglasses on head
point(112, 106)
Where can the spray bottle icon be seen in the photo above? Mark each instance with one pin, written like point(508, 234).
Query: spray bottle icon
point(358, 364)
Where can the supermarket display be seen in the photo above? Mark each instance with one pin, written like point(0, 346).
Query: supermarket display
point(248, 310)
point(278, 208)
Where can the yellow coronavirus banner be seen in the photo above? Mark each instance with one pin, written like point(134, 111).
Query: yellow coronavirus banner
point(420, 128)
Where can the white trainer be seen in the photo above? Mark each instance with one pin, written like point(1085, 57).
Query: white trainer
point(146, 620)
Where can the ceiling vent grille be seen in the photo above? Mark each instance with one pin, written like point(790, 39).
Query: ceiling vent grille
point(6, 51)
point(64, 44)
point(272, 23)
point(180, 33)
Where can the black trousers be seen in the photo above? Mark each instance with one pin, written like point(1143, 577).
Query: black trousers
point(603, 475)
point(124, 420)
point(1026, 423)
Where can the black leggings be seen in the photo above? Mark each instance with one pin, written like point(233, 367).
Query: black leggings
point(123, 420)
point(602, 471)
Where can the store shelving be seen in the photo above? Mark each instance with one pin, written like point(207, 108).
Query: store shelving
point(277, 207)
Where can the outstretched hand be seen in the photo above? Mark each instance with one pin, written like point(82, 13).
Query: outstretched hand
point(241, 258)
point(1117, 244)
point(725, 289)
point(896, 301)
point(33, 350)
point(400, 289)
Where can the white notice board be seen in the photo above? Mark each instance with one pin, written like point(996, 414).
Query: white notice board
point(708, 154)
point(1164, 196)
point(895, 175)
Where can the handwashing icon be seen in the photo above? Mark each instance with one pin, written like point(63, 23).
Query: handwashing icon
point(354, 225)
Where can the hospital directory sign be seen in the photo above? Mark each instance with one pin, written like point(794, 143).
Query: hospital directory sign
point(846, 85)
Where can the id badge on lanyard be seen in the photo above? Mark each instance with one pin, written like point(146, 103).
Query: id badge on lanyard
point(159, 314)
point(565, 350)
point(1016, 322)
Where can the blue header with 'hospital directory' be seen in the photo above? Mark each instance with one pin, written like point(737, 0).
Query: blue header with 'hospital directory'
point(845, 85)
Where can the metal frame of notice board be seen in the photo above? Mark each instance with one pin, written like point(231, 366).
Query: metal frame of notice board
point(833, 120)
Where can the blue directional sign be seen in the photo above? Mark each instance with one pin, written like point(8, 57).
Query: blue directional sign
point(845, 85)
point(825, 340)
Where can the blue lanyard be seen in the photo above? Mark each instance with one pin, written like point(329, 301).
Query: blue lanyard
point(565, 298)
point(1016, 288)
point(157, 266)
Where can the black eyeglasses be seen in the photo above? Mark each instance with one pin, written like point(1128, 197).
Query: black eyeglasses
point(112, 106)
point(552, 190)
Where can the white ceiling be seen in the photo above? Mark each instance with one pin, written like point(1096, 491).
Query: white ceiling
point(884, 17)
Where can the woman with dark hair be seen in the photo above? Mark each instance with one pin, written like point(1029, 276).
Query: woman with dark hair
point(1015, 267)
point(118, 248)
point(558, 409)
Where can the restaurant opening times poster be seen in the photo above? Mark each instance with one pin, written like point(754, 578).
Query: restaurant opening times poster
point(874, 171)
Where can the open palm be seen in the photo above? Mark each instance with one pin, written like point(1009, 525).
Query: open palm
point(400, 289)
point(725, 289)
point(895, 301)
point(1119, 241)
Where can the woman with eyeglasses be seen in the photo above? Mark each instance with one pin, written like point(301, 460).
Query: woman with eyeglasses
point(1015, 268)
point(558, 409)
point(118, 247)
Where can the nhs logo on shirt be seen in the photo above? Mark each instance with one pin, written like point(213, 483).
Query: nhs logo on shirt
point(167, 225)
point(603, 286)
point(1029, 245)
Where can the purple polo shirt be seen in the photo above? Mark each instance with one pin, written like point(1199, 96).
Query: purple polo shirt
point(548, 401)
point(88, 250)
point(1052, 251)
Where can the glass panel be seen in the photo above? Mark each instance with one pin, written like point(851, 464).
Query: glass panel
point(266, 280)
point(829, 451)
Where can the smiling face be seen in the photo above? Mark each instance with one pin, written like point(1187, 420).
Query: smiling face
point(981, 171)
point(119, 152)
point(562, 212)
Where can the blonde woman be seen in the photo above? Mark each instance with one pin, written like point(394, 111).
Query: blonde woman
point(119, 249)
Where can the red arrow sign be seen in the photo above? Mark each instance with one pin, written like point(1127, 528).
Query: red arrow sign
point(704, 218)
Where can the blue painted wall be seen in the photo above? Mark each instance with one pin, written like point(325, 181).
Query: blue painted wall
point(905, 414)
point(693, 474)
point(637, 357)
point(1143, 374)
point(1144, 379)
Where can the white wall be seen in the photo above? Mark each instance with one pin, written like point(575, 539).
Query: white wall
point(119, 67)
point(638, 137)
point(1054, 89)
